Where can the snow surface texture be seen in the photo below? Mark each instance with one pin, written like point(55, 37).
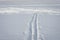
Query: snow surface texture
point(13, 10)
point(29, 24)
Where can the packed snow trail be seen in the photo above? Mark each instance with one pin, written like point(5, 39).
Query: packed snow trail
point(34, 30)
